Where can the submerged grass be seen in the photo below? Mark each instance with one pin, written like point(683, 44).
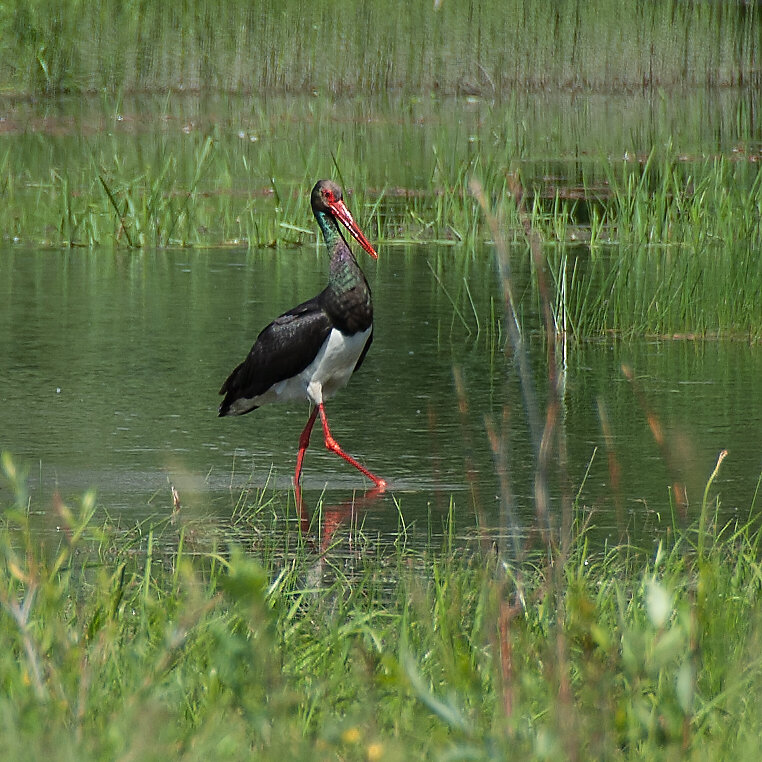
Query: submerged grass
point(666, 246)
point(168, 654)
point(636, 244)
point(672, 250)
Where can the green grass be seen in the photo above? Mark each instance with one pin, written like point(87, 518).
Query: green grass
point(636, 243)
point(665, 245)
point(140, 645)
point(672, 250)
point(490, 47)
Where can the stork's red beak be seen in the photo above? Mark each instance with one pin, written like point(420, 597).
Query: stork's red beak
point(341, 213)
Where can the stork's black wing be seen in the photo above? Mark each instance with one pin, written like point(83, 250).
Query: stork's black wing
point(282, 350)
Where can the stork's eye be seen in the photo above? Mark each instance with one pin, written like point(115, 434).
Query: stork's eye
point(328, 195)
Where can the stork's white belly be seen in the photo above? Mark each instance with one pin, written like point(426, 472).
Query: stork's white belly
point(325, 375)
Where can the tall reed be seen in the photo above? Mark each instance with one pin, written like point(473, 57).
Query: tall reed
point(490, 47)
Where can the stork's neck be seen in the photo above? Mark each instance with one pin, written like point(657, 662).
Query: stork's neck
point(330, 230)
point(345, 272)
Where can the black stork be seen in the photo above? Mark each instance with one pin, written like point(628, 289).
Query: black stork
point(311, 351)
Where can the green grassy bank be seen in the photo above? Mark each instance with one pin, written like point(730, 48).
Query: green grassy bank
point(484, 46)
point(141, 646)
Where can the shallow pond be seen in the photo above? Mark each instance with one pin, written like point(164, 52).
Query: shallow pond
point(112, 363)
point(111, 359)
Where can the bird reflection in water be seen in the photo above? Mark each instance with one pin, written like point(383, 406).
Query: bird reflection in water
point(321, 537)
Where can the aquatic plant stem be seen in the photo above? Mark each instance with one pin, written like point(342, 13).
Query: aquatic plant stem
point(513, 328)
point(705, 504)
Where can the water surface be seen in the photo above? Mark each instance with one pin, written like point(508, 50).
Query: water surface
point(112, 362)
point(111, 359)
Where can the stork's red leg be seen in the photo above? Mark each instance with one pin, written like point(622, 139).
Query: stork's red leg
point(304, 443)
point(301, 509)
point(333, 446)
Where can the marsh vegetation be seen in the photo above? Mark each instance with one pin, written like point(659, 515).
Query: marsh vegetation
point(566, 200)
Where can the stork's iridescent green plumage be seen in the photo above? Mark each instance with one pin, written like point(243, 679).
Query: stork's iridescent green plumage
point(347, 297)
